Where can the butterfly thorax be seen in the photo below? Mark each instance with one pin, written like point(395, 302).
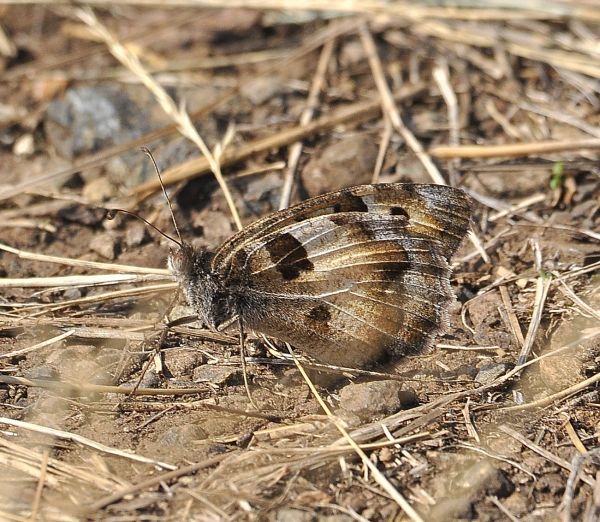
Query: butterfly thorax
point(202, 289)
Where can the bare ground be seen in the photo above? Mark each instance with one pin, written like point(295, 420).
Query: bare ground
point(471, 434)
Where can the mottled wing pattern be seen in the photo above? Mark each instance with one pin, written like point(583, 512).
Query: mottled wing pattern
point(355, 276)
point(436, 211)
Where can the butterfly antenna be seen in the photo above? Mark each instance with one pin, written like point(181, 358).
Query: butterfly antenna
point(112, 212)
point(146, 151)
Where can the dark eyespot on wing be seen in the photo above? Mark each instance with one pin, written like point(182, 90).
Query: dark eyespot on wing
point(398, 211)
point(320, 313)
point(350, 203)
point(295, 255)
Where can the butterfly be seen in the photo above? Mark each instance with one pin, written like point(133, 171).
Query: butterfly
point(351, 278)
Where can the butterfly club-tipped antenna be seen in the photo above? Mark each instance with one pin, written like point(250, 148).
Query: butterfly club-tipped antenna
point(112, 212)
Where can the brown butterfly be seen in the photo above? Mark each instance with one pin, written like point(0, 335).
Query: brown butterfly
point(351, 277)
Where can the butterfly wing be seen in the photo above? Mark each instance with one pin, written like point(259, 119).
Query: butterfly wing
point(436, 211)
point(349, 280)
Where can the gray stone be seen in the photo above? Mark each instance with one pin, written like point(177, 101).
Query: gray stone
point(42, 372)
point(262, 88)
point(87, 119)
point(347, 162)
point(490, 372)
point(183, 435)
point(217, 374)
point(484, 476)
point(136, 234)
point(181, 361)
point(72, 293)
point(376, 398)
point(105, 245)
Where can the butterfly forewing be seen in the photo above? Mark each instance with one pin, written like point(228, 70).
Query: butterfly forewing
point(352, 276)
point(436, 211)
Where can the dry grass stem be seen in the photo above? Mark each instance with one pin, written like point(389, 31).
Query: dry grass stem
point(74, 437)
point(541, 293)
point(42, 480)
point(80, 281)
point(512, 317)
point(36, 309)
point(111, 267)
point(386, 137)
point(544, 453)
point(513, 209)
point(555, 397)
point(391, 109)
point(178, 114)
point(355, 113)
point(38, 346)
point(513, 150)
point(377, 475)
point(307, 114)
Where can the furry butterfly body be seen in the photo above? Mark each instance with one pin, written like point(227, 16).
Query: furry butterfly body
point(351, 277)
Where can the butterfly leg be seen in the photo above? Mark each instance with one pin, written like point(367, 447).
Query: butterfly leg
point(243, 359)
point(156, 357)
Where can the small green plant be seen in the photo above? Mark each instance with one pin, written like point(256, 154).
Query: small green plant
point(558, 176)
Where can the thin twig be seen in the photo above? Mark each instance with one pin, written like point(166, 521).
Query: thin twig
point(541, 292)
point(306, 116)
point(543, 452)
point(67, 261)
point(512, 150)
point(377, 475)
point(386, 137)
point(74, 437)
point(391, 109)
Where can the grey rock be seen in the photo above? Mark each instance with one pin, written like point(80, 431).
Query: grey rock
point(87, 119)
point(105, 245)
point(262, 88)
point(80, 363)
point(458, 507)
point(150, 380)
point(183, 435)
point(217, 374)
point(72, 293)
point(98, 189)
point(136, 234)
point(479, 479)
point(347, 162)
point(490, 372)
point(180, 362)
point(42, 372)
point(376, 398)
point(484, 476)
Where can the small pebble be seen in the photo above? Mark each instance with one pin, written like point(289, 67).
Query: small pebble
point(490, 372)
point(24, 145)
point(217, 374)
point(376, 398)
point(104, 245)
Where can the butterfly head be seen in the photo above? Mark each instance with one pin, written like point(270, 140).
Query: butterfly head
point(192, 269)
point(181, 261)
